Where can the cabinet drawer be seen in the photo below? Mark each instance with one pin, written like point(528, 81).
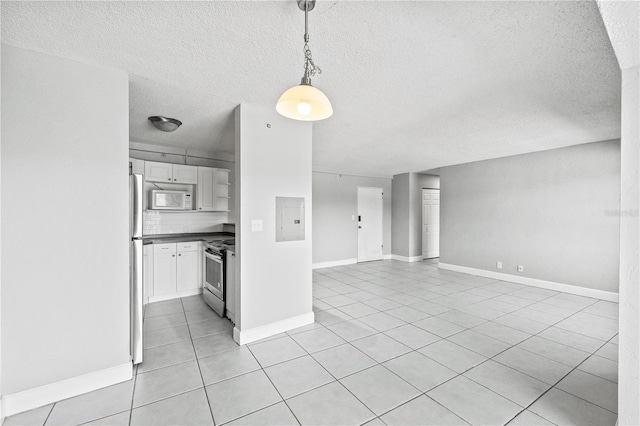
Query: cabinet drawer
point(164, 248)
point(192, 246)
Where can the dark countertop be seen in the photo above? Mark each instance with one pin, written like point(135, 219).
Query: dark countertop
point(178, 238)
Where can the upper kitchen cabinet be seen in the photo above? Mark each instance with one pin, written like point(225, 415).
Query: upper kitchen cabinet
point(185, 174)
point(213, 189)
point(174, 173)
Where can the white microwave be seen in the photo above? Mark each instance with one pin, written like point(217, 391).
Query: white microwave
point(170, 200)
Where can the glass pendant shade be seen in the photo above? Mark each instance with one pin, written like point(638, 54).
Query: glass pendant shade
point(305, 103)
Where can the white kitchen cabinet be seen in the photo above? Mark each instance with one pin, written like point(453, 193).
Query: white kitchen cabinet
point(187, 267)
point(173, 270)
point(158, 172)
point(185, 174)
point(170, 173)
point(164, 273)
point(212, 189)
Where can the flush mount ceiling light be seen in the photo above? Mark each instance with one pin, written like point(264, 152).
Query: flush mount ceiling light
point(165, 124)
point(304, 102)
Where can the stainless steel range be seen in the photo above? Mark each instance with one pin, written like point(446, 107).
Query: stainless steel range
point(214, 292)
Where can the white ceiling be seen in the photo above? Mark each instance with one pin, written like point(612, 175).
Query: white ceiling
point(414, 85)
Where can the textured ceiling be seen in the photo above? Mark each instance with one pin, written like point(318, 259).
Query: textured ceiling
point(414, 85)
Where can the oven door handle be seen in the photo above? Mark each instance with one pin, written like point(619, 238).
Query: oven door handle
point(213, 256)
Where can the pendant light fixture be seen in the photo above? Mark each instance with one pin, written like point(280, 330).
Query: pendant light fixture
point(304, 102)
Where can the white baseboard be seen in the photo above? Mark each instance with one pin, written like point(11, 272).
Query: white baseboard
point(242, 337)
point(405, 258)
point(386, 256)
point(176, 295)
point(333, 263)
point(550, 285)
point(38, 397)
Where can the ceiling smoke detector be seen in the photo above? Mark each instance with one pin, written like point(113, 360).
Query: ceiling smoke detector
point(165, 124)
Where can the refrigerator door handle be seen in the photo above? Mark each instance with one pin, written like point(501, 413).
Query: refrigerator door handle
point(136, 183)
point(137, 304)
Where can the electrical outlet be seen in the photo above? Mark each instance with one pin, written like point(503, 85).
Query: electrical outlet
point(520, 268)
point(256, 225)
point(499, 265)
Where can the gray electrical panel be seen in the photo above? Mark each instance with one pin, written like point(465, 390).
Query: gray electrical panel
point(289, 219)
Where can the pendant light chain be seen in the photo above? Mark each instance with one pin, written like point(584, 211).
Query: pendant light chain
point(310, 68)
point(305, 102)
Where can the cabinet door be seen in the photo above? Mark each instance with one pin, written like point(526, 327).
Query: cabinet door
point(187, 270)
point(206, 189)
point(158, 172)
point(164, 273)
point(185, 174)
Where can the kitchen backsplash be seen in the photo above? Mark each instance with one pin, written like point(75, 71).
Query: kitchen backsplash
point(156, 222)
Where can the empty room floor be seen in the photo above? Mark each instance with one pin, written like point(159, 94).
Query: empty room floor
point(393, 343)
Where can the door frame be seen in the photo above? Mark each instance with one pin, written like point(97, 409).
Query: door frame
point(422, 254)
point(381, 223)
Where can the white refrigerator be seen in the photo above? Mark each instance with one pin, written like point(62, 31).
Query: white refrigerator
point(135, 266)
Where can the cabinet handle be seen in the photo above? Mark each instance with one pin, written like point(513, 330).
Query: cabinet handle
point(169, 179)
point(173, 255)
point(180, 254)
point(175, 180)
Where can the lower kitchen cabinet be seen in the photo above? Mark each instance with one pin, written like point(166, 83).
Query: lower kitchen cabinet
point(187, 272)
point(172, 270)
point(164, 273)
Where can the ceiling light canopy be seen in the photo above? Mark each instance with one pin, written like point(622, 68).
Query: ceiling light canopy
point(165, 124)
point(304, 102)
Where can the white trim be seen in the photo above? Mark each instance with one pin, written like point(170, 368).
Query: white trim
point(242, 337)
point(176, 295)
point(333, 263)
point(387, 256)
point(534, 282)
point(1, 410)
point(406, 259)
point(38, 397)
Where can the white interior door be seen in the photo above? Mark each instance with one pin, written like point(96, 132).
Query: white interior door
point(369, 224)
point(430, 223)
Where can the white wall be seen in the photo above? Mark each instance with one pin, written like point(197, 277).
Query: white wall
point(407, 213)
point(65, 246)
point(622, 20)
point(335, 201)
point(547, 211)
point(275, 277)
point(629, 361)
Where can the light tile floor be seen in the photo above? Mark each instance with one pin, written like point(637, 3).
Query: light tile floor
point(393, 343)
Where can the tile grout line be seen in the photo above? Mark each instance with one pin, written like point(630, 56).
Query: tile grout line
point(204, 387)
point(274, 386)
point(569, 393)
point(48, 414)
point(133, 394)
point(512, 345)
